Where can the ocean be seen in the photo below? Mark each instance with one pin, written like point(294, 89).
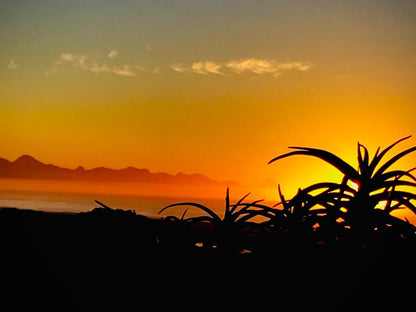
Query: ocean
point(76, 202)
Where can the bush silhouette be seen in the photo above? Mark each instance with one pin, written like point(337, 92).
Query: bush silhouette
point(227, 232)
point(358, 213)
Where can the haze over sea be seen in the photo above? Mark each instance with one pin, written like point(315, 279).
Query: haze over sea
point(83, 202)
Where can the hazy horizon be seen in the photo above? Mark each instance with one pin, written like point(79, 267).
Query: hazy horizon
point(214, 87)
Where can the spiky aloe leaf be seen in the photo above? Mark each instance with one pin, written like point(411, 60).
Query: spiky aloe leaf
point(383, 180)
point(402, 197)
point(389, 208)
point(393, 160)
point(394, 183)
point(254, 213)
point(233, 207)
point(244, 206)
point(331, 198)
point(102, 205)
point(398, 174)
point(377, 157)
point(330, 186)
point(363, 166)
point(326, 156)
point(259, 209)
point(214, 216)
point(282, 200)
point(183, 215)
point(227, 204)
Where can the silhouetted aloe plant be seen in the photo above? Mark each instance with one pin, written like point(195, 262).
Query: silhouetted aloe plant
point(237, 217)
point(359, 209)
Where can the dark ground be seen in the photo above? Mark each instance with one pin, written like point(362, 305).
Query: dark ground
point(117, 261)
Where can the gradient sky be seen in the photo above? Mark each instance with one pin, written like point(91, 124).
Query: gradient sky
point(214, 87)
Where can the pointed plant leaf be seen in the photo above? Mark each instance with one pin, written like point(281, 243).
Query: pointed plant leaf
point(389, 209)
point(393, 160)
point(403, 198)
point(262, 207)
point(396, 183)
point(363, 162)
point(102, 205)
point(227, 204)
point(233, 207)
point(282, 199)
point(247, 206)
point(203, 208)
point(253, 214)
point(183, 215)
point(330, 186)
point(378, 156)
point(396, 174)
point(326, 156)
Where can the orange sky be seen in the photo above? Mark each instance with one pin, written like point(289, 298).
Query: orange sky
point(214, 87)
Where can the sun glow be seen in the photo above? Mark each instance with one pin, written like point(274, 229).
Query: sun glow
point(205, 101)
point(354, 185)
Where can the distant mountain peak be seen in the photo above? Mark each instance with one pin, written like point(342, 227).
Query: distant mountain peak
point(28, 167)
point(27, 159)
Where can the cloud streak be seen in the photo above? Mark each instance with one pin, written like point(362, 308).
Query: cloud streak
point(256, 66)
point(70, 60)
point(206, 68)
point(155, 70)
point(248, 65)
point(179, 68)
point(123, 71)
point(264, 66)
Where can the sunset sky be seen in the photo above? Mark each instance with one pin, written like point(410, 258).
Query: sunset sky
point(213, 87)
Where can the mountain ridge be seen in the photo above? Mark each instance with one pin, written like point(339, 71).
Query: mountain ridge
point(28, 167)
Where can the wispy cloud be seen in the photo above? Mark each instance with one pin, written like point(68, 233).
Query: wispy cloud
point(264, 66)
point(123, 71)
point(98, 68)
point(198, 68)
point(249, 65)
point(12, 65)
point(179, 68)
point(112, 54)
point(202, 68)
point(70, 60)
point(206, 68)
point(155, 70)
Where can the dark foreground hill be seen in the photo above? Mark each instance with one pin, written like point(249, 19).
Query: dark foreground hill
point(116, 260)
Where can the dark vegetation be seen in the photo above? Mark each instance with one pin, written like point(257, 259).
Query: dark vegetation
point(333, 246)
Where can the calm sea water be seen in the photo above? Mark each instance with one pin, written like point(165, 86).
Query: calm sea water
point(72, 202)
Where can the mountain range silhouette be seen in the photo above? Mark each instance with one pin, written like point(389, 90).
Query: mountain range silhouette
point(27, 167)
